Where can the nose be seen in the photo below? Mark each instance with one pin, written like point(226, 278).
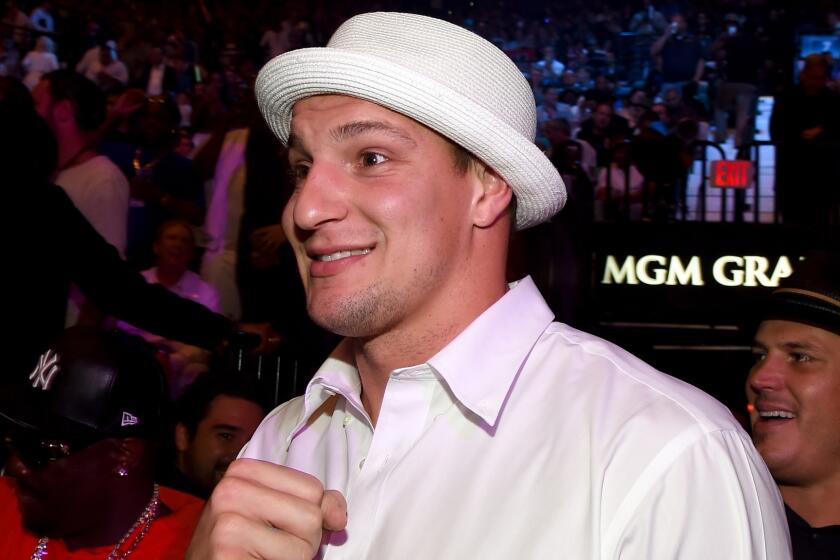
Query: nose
point(766, 375)
point(320, 197)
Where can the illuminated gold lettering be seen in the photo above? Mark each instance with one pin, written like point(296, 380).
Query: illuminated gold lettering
point(755, 268)
point(782, 270)
point(615, 274)
point(658, 273)
point(684, 275)
point(719, 271)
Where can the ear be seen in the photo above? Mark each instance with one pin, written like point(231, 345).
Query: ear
point(127, 454)
point(492, 197)
point(182, 437)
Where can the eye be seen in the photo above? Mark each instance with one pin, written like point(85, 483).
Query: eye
point(227, 436)
point(759, 355)
point(800, 358)
point(369, 159)
point(298, 172)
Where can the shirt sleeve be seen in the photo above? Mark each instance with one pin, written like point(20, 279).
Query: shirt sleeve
point(714, 499)
point(118, 289)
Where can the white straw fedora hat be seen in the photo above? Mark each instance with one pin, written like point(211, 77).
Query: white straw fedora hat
point(440, 75)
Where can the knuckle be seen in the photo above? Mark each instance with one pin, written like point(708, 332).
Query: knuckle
point(225, 493)
point(243, 468)
point(312, 486)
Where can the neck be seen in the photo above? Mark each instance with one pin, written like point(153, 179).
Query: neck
point(128, 503)
point(169, 276)
point(818, 504)
point(72, 148)
point(415, 341)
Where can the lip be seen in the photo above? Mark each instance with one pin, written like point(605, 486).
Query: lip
point(765, 423)
point(325, 269)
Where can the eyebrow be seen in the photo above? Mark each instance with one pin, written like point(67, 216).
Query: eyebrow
point(357, 128)
point(788, 346)
point(227, 427)
point(351, 130)
point(799, 346)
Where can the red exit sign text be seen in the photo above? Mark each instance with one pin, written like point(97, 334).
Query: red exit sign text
point(732, 174)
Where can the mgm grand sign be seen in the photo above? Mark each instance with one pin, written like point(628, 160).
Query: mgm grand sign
point(674, 270)
point(717, 274)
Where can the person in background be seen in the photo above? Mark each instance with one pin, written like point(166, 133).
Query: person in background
point(39, 61)
point(83, 430)
point(52, 245)
point(164, 184)
point(793, 392)
point(620, 191)
point(214, 418)
point(174, 249)
point(74, 107)
point(157, 77)
point(741, 55)
point(679, 54)
point(603, 130)
point(805, 126)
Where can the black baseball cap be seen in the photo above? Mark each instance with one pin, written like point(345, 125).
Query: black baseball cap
point(811, 295)
point(90, 384)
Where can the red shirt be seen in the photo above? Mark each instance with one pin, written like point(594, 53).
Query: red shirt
point(167, 538)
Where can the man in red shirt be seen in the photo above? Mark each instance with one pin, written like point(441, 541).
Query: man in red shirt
point(82, 431)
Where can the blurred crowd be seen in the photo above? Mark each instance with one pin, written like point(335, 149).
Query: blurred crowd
point(618, 86)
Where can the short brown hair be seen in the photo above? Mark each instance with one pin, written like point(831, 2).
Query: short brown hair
point(462, 159)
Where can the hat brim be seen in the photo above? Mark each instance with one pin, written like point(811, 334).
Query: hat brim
point(19, 413)
point(290, 77)
point(788, 305)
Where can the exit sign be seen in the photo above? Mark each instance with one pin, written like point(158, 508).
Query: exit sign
point(731, 174)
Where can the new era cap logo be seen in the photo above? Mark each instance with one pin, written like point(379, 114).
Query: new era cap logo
point(129, 419)
point(42, 375)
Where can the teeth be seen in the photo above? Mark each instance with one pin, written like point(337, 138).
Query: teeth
point(343, 255)
point(776, 414)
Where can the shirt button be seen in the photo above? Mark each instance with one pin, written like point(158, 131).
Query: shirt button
point(346, 421)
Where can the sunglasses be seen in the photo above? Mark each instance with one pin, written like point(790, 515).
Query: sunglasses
point(37, 452)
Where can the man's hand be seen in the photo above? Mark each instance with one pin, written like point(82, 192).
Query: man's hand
point(265, 511)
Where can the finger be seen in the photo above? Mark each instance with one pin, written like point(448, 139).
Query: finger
point(235, 537)
point(277, 477)
point(334, 510)
point(239, 498)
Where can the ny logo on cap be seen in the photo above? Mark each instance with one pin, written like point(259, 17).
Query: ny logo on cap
point(128, 419)
point(46, 369)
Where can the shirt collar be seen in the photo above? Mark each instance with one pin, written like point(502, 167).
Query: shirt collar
point(479, 365)
point(482, 362)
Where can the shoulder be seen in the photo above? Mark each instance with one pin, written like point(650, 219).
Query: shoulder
point(97, 170)
point(624, 388)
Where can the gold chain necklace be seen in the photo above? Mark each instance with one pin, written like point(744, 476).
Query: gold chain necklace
point(143, 168)
point(144, 522)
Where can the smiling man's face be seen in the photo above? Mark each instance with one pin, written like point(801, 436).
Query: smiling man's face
point(794, 388)
point(379, 219)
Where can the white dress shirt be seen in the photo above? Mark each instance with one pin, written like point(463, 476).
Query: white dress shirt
point(525, 438)
point(100, 191)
